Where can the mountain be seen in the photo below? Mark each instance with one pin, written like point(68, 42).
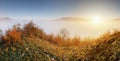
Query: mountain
point(5, 18)
point(71, 19)
point(117, 19)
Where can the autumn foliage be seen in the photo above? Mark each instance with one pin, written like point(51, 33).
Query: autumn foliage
point(12, 35)
point(32, 31)
point(32, 43)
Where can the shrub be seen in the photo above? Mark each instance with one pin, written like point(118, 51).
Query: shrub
point(76, 41)
point(11, 36)
point(32, 31)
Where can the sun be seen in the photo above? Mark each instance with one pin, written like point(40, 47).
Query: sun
point(96, 19)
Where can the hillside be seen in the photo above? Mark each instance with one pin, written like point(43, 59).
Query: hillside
point(33, 44)
point(25, 51)
point(106, 48)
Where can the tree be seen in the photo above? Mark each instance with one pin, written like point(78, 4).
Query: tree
point(31, 30)
point(64, 33)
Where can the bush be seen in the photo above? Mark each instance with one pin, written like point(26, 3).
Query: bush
point(30, 30)
point(11, 36)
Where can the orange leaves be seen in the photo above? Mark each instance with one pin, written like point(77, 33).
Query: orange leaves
point(30, 30)
point(12, 36)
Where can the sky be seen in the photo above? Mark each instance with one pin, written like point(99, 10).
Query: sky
point(48, 15)
point(49, 9)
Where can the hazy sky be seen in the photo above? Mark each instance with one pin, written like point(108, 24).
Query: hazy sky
point(58, 8)
point(43, 11)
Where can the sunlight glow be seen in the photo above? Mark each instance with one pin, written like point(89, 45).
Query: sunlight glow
point(96, 19)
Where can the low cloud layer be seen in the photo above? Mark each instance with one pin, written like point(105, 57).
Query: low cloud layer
point(71, 19)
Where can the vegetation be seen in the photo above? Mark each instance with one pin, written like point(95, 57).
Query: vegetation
point(31, 43)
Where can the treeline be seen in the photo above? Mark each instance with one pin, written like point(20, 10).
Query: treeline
point(16, 34)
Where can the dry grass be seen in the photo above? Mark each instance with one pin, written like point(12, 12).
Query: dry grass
point(33, 44)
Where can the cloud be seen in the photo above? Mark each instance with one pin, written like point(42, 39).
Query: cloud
point(5, 18)
point(117, 19)
point(71, 19)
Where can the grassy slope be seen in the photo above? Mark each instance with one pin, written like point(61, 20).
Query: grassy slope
point(35, 49)
point(28, 50)
point(106, 49)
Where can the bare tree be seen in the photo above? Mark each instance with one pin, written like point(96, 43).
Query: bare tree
point(64, 33)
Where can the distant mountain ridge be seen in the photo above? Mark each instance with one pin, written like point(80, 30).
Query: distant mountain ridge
point(5, 18)
point(71, 19)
